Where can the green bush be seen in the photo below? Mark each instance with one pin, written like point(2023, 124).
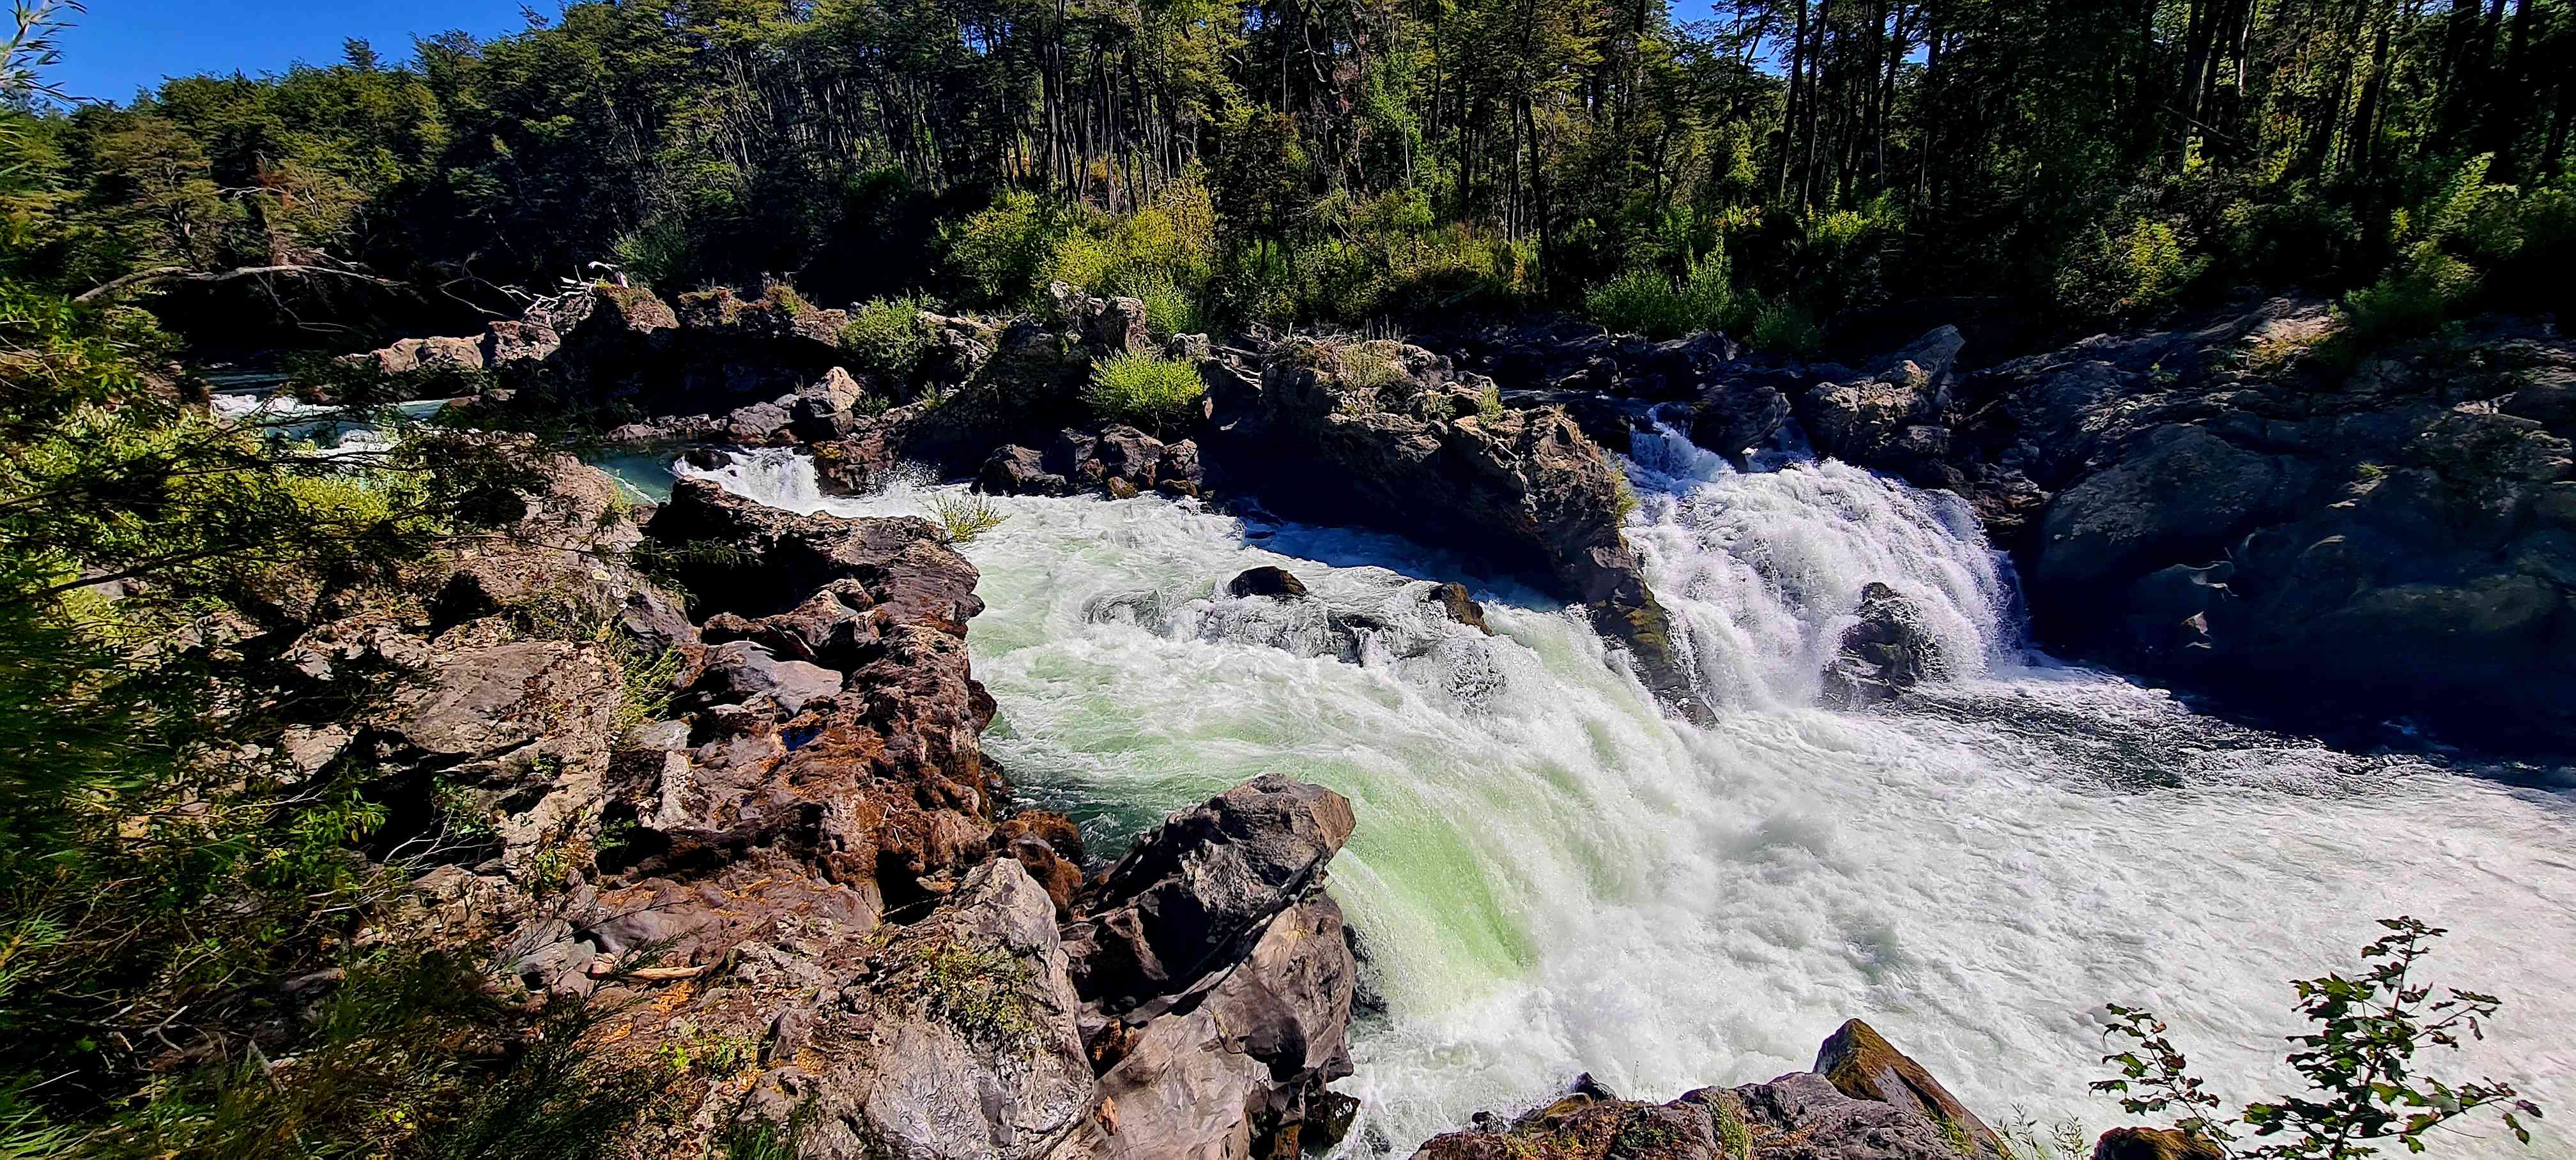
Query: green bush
point(1646, 301)
point(1785, 325)
point(2135, 273)
point(885, 337)
point(962, 516)
point(1146, 390)
point(1169, 309)
point(1000, 254)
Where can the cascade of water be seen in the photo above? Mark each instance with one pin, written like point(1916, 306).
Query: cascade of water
point(1762, 570)
point(1551, 876)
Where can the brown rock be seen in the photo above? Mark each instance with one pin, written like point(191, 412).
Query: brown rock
point(1461, 607)
point(1860, 1063)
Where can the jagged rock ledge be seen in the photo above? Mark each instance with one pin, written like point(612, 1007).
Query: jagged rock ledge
point(777, 852)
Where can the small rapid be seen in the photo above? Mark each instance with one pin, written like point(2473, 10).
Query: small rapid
point(1552, 877)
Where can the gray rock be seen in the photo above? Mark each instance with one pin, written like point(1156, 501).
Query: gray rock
point(739, 671)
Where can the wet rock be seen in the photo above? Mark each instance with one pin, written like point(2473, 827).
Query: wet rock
point(1735, 415)
point(1170, 910)
point(1266, 581)
point(1129, 454)
point(1373, 434)
point(1015, 470)
point(1179, 468)
point(1455, 603)
point(1885, 654)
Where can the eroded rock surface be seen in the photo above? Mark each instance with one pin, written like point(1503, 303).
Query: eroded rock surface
point(1393, 436)
point(1800, 1116)
point(2218, 505)
point(765, 841)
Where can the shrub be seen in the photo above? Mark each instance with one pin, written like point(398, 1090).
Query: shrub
point(962, 516)
point(2137, 272)
point(2359, 1062)
point(885, 337)
point(1785, 325)
point(1645, 301)
point(1000, 253)
point(1146, 390)
point(1169, 309)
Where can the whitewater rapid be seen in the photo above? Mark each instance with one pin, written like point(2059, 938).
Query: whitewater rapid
point(1551, 877)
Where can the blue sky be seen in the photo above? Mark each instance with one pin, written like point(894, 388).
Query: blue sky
point(120, 46)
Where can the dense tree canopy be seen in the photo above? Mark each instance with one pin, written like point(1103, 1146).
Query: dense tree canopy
point(1358, 157)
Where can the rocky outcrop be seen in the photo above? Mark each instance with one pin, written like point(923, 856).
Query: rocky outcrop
point(1214, 930)
point(1883, 655)
point(1119, 461)
point(1800, 1116)
point(2206, 505)
point(1862, 1064)
point(1392, 436)
point(767, 839)
point(2154, 1144)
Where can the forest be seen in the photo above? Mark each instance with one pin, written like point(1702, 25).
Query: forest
point(1775, 167)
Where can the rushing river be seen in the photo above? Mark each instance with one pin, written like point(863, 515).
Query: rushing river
point(1552, 877)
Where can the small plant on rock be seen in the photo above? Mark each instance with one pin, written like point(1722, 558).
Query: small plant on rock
point(962, 516)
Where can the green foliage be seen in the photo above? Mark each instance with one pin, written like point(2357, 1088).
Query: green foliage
point(962, 516)
point(1144, 389)
point(2359, 1063)
point(885, 337)
point(1786, 326)
point(981, 991)
point(2134, 273)
point(1645, 301)
point(1001, 254)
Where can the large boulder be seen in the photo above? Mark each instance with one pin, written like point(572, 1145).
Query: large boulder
point(1183, 898)
point(1885, 653)
point(1393, 436)
point(1218, 978)
point(2348, 545)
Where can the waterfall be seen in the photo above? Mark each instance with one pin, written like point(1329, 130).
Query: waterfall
point(1551, 876)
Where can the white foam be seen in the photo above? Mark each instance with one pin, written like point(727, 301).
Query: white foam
point(1552, 877)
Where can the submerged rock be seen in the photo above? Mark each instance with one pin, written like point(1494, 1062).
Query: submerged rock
point(1455, 602)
